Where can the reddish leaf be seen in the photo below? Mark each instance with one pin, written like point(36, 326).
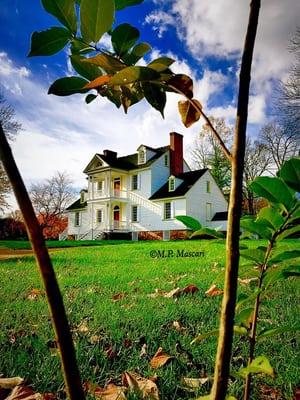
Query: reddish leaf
point(213, 291)
point(182, 83)
point(118, 296)
point(189, 115)
point(159, 359)
point(21, 392)
point(111, 392)
point(190, 289)
point(98, 82)
point(34, 294)
point(136, 383)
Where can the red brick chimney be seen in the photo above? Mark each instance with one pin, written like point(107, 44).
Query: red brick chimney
point(176, 153)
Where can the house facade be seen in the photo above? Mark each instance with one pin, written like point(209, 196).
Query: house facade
point(140, 194)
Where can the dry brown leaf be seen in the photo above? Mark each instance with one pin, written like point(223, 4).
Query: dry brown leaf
point(245, 282)
point(213, 291)
point(10, 383)
point(94, 339)
point(83, 327)
point(111, 353)
point(159, 359)
point(136, 383)
point(111, 392)
point(172, 293)
point(190, 289)
point(34, 294)
point(118, 296)
point(157, 293)
point(143, 352)
point(21, 392)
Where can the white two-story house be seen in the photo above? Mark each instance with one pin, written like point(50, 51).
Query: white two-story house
point(140, 194)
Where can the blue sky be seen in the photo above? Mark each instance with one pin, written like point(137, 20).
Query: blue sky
point(205, 37)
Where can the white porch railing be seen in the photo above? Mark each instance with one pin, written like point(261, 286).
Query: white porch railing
point(63, 235)
point(105, 194)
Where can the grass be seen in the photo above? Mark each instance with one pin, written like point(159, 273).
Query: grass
point(109, 335)
point(25, 244)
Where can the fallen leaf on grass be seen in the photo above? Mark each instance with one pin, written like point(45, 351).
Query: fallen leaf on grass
point(10, 383)
point(173, 293)
point(213, 291)
point(94, 339)
point(136, 383)
point(34, 294)
point(111, 353)
point(269, 393)
point(245, 282)
point(143, 352)
point(178, 326)
point(21, 392)
point(118, 296)
point(190, 289)
point(111, 392)
point(159, 359)
point(194, 383)
point(83, 327)
point(157, 293)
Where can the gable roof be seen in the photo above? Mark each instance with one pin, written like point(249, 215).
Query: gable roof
point(130, 161)
point(77, 205)
point(220, 216)
point(189, 179)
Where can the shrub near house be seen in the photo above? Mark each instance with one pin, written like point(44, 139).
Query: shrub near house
point(141, 194)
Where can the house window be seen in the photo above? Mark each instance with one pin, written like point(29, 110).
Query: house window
point(77, 218)
point(100, 186)
point(167, 210)
point(134, 213)
point(142, 156)
point(166, 160)
point(207, 186)
point(171, 184)
point(208, 211)
point(99, 216)
point(134, 182)
point(82, 197)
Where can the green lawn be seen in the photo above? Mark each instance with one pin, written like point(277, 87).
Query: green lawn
point(109, 335)
point(25, 244)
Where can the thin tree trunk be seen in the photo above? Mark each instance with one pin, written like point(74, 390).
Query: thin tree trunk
point(223, 357)
point(54, 297)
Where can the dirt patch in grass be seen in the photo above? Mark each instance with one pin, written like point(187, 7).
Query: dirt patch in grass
point(11, 253)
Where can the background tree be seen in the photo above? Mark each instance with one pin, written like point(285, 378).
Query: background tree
point(50, 200)
point(207, 152)
point(281, 142)
point(11, 128)
point(258, 160)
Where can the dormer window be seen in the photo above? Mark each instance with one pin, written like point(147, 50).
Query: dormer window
point(171, 184)
point(142, 156)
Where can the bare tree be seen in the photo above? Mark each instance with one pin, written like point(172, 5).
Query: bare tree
point(207, 152)
point(281, 143)
point(11, 128)
point(51, 198)
point(258, 160)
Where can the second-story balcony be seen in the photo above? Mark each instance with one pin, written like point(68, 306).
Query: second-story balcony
point(121, 194)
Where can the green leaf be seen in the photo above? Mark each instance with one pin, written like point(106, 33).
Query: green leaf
point(123, 38)
point(90, 97)
point(67, 86)
point(256, 255)
point(285, 255)
point(133, 74)
point(258, 227)
point(110, 64)
point(272, 216)
point(136, 53)
point(246, 299)
point(207, 232)
point(155, 95)
point(274, 275)
point(244, 317)
point(49, 42)
point(276, 331)
point(274, 190)
point(120, 4)
point(290, 173)
point(96, 18)
point(64, 11)
point(88, 71)
point(288, 232)
point(78, 47)
point(181, 83)
point(161, 64)
point(206, 335)
point(189, 222)
point(189, 115)
point(260, 365)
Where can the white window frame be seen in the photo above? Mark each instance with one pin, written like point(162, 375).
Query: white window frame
point(100, 186)
point(82, 197)
point(208, 211)
point(137, 182)
point(208, 187)
point(142, 156)
point(99, 213)
point(132, 213)
point(165, 216)
point(77, 218)
point(172, 184)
